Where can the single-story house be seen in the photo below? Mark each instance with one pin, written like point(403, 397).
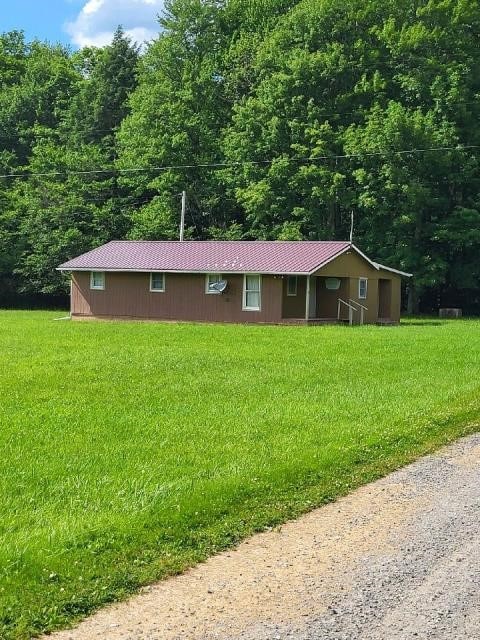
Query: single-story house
point(276, 282)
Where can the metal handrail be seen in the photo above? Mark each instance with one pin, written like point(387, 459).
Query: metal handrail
point(362, 309)
point(358, 303)
point(351, 309)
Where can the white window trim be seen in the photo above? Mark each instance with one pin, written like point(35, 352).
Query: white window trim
point(244, 297)
point(207, 282)
point(291, 295)
point(95, 287)
point(155, 290)
point(360, 280)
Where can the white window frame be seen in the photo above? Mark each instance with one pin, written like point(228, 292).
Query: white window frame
point(207, 283)
point(156, 289)
point(360, 281)
point(292, 279)
point(244, 297)
point(93, 286)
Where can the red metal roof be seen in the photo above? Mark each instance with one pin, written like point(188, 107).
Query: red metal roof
point(276, 257)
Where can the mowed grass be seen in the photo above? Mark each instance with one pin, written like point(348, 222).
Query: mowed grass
point(131, 450)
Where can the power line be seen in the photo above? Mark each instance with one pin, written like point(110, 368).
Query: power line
point(226, 165)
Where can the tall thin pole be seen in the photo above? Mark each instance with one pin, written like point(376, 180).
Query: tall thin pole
point(351, 229)
point(182, 219)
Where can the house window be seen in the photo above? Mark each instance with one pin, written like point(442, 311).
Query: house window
point(362, 288)
point(251, 293)
point(97, 280)
point(292, 284)
point(211, 280)
point(157, 282)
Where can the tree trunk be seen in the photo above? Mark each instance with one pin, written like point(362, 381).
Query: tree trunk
point(413, 303)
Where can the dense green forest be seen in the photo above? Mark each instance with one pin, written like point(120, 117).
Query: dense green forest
point(279, 117)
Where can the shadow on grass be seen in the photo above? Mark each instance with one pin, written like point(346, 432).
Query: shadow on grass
point(423, 323)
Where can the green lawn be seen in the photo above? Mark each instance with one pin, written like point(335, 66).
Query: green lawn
point(130, 451)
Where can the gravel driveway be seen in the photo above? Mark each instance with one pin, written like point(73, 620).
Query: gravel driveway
point(399, 558)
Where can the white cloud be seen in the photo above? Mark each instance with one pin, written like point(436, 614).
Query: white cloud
point(98, 19)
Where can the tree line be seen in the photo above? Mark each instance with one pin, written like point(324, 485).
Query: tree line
point(280, 118)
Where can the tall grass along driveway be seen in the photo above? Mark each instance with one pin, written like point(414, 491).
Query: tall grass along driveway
point(130, 451)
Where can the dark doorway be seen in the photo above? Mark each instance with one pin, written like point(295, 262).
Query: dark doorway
point(384, 299)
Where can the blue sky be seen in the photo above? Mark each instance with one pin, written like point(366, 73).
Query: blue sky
point(81, 22)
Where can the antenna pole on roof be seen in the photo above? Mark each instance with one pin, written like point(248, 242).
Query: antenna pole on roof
point(351, 229)
point(182, 219)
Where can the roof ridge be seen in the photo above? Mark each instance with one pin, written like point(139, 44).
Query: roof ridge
point(346, 242)
point(294, 257)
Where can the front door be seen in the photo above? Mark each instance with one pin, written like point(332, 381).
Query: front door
point(327, 299)
point(384, 299)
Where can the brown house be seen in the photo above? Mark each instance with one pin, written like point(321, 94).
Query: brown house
point(219, 281)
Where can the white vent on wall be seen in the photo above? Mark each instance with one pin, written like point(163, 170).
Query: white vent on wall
point(333, 284)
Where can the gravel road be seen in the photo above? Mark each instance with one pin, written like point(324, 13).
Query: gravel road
point(397, 559)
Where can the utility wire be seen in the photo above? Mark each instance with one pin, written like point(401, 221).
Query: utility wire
point(225, 165)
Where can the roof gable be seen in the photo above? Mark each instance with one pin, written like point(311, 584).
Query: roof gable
point(350, 263)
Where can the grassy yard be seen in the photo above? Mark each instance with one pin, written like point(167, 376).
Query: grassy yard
point(129, 451)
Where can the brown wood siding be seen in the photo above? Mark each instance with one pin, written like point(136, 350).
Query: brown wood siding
point(348, 265)
point(295, 306)
point(128, 295)
point(353, 267)
point(371, 301)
